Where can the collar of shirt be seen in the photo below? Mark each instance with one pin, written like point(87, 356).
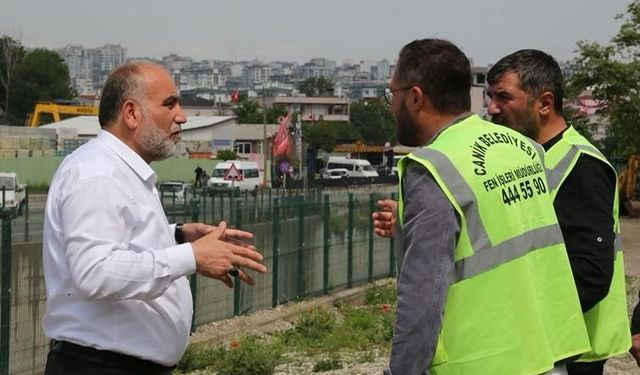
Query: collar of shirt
point(548, 144)
point(130, 157)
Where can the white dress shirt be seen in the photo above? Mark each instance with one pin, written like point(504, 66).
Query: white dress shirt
point(115, 278)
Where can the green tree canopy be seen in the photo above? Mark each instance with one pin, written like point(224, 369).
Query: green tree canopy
point(226, 155)
point(42, 75)
point(345, 131)
point(249, 111)
point(612, 72)
point(11, 54)
point(374, 122)
point(320, 135)
point(316, 86)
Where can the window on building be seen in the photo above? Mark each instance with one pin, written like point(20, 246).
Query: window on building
point(336, 109)
point(242, 147)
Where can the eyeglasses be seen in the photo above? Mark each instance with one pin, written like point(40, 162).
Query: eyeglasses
point(388, 93)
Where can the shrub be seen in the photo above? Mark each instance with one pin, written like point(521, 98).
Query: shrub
point(226, 155)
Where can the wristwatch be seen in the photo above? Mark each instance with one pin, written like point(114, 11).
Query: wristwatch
point(179, 234)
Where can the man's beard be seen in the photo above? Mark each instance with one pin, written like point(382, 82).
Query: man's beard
point(155, 143)
point(407, 128)
point(525, 123)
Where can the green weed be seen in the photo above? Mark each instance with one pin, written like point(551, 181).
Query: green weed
point(333, 362)
point(321, 330)
point(380, 294)
point(251, 356)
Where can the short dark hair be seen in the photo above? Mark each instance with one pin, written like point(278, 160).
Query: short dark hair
point(537, 72)
point(125, 82)
point(441, 70)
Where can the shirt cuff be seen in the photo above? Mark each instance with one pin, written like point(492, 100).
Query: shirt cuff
point(181, 260)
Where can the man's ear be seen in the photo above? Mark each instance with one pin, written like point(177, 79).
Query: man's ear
point(546, 100)
point(415, 98)
point(131, 115)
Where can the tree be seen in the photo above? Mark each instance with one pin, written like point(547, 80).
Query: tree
point(11, 54)
point(581, 122)
point(226, 155)
point(320, 136)
point(316, 86)
point(249, 111)
point(374, 121)
point(612, 72)
point(42, 75)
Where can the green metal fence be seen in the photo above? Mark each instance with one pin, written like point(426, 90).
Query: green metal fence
point(314, 242)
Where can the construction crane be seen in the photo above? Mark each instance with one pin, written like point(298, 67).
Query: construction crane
point(58, 108)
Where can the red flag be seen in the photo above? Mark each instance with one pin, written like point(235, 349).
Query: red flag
point(235, 96)
point(281, 140)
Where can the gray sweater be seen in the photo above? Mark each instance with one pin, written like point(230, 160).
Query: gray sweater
point(425, 260)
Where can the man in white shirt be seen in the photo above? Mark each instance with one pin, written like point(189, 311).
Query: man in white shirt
point(118, 298)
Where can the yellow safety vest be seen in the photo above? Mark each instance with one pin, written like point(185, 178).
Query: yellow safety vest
point(607, 322)
point(512, 307)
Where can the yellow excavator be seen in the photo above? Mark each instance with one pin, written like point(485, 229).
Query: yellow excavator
point(57, 108)
point(627, 185)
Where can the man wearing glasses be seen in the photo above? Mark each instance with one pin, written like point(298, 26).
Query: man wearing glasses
point(481, 258)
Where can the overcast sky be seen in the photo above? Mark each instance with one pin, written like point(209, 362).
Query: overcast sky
point(299, 30)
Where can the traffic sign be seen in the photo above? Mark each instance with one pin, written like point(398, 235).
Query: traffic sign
point(284, 166)
point(233, 174)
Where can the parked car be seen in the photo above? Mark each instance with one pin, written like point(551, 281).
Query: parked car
point(13, 194)
point(335, 174)
point(176, 195)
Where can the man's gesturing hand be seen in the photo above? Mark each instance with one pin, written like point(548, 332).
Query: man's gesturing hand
point(218, 252)
point(384, 220)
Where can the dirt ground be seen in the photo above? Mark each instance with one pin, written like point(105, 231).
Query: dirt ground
point(280, 317)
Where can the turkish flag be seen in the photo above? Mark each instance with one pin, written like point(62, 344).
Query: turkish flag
point(235, 96)
point(281, 140)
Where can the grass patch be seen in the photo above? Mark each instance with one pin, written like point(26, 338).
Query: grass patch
point(200, 358)
point(362, 330)
point(310, 330)
point(333, 362)
point(380, 294)
point(250, 355)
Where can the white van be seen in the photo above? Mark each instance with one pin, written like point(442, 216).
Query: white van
point(355, 167)
point(248, 176)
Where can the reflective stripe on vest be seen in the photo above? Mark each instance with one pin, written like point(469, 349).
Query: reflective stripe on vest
point(485, 255)
point(607, 322)
point(557, 174)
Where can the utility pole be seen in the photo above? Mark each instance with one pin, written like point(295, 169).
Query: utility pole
point(264, 135)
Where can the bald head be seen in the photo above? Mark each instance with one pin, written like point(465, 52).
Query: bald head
point(127, 81)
